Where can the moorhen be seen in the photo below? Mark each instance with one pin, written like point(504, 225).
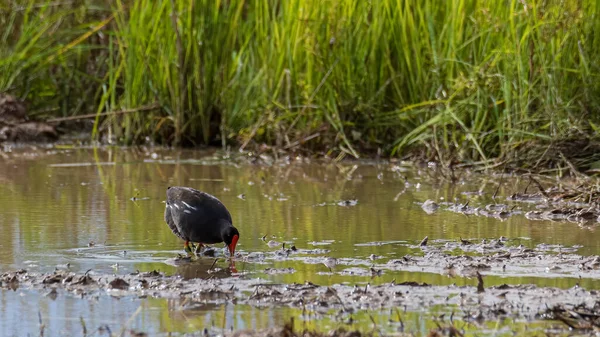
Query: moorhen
point(196, 216)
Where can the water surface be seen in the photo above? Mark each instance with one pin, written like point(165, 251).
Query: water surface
point(102, 210)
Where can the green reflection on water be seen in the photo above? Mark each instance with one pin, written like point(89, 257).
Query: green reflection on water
point(50, 211)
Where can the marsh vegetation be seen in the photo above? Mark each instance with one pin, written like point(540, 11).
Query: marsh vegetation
point(455, 80)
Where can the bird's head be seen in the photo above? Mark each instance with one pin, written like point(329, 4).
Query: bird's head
point(230, 237)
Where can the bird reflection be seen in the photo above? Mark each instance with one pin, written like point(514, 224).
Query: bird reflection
point(205, 268)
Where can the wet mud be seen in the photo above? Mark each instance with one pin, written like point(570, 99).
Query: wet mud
point(575, 200)
point(204, 280)
point(461, 303)
point(15, 125)
point(288, 331)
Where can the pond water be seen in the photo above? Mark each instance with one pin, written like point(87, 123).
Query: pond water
point(101, 209)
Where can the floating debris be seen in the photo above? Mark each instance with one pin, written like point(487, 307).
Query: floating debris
point(378, 243)
point(279, 271)
point(321, 243)
point(376, 272)
point(348, 203)
point(330, 263)
point(273, 244)
point(343, 203)
point(430, 206)
point(183, 258)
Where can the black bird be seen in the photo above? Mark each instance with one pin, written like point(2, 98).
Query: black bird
point(196, 216)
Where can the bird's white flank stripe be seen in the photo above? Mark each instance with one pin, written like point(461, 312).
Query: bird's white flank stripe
point(187, 211)
point(189, 206)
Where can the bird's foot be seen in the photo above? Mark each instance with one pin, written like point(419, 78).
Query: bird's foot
point(198, 249)
point(187, 247)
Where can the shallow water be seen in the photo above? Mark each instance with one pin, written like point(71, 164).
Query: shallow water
point(102, 209)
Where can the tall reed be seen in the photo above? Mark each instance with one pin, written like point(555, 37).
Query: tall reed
point(473, 78)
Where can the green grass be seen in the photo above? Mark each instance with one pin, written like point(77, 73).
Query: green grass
point(466, 79)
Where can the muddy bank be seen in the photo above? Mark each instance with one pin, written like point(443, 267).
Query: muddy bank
point(570, 201)
point(474, 304)
point(219, 284)
point(16, 126)
point(227, 285)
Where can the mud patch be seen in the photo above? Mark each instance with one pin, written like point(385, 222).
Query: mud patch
point(15, 125)
point(576, 307)
point(496, 257)
point(571, 200)
point(288, 331)
point(454, 258)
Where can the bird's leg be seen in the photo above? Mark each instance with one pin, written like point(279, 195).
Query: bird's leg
point(232, 266)
point(199, 248)
point(186, 247)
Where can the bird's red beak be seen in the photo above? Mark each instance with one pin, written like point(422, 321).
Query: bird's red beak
point(231, 246)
